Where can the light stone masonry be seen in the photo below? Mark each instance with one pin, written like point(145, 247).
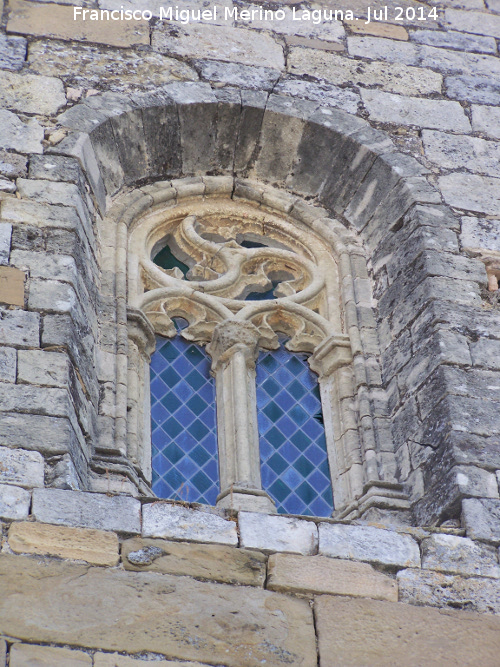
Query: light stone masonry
point(481, 519)
point(480, 233)
point(270, 532)
point(28, 93)
point(175, 522)
point(43, 368)
point(19, 136)
point(5, 237)
point(115, 660)
point(19, 328)
point(325, 93)
point(473, 89)
point(475, 22)
point(366, 543)
point(93, 546)
point(436, 114)
point(487, 120)
point(87, 510)
point(315, 575)
point(14, 503)
point(455, 40)
point(455, 151)
point(470, 192)
point(21, 468)
point(459, 555)
point(30, 655)
point(8, 364)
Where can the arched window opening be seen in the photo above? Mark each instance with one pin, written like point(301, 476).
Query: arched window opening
point(183, 422)
point(294, 461)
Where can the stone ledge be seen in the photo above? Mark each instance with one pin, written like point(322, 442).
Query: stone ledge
point(271, 532)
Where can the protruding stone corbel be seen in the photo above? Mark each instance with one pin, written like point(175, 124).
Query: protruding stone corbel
point(331, 354)
point(141, 332)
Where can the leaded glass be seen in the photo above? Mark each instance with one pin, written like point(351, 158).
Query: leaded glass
point(294, 463)
point(183, 423)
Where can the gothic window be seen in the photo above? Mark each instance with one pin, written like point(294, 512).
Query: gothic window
point(259, 298)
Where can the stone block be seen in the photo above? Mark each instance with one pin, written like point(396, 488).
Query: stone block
point(459, 555)
point(327, 94)
point(486, 119)
point(479, 23)
point(11, 286)
point(8, 362)
point(5, 239)
point(437, 114)
point(454, 40)
point(29, 93)
point(162, 519)
point(370, 544)
point(14, 503)
point(57, 22)
point(453, 151)
point(12, 52)
point(481, 518)
point(143, 611)
point(432, 589)
point(3, 645)
point(470, 192)
point(30, 655)
point(270, 532)
point(475, 89)
point(44, 368)
point(87, 510)
point(485, 353)
point(50, 435)
point(388, 30)
point(218, 17)
point(116, 660)
point(480, 234)
point(7, 186)
point(314, 575)
point(395, 78)
point(94, 546)
point(21, 468)
point(236, 74)
point(12, 165)
point(228, 565)
point(369, 632)
point(234, 45)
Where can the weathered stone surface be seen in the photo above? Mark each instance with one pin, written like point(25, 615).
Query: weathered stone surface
point(270, 532)
point(478, 89)
point(327, 94)
point(8, 363)
point(480, 233)
point(395, 78)
point(11, 286)
point(7, 186)
point(317, 574)
point(476, 22)
point(28, 93)
point(368, 632)
point(44, 368)
point(12, 52)
point(21, 468)
point(415, 111)
point(289, 24)
point(5, 238)
point(432, 589)
point(203, 561)
point(94, 546)
point(367, 543)
point(484, 353)
point(3, 645)
point(162, 519)
point(116, 660)
point(14, 502)
point(455, 151)
point(87, 510)
point(29, 655)
point(12, 165)
point(219, 43)
point(19, 328)
point(144, 611)
point(154, 6)
point(459, 555)
point(18, 136)
point(454, 40)
point(85, 66)
point(38, 432)
point(471, 192)
point(379, 29)
point(57, 21)
point(486, 119)
point(481, 518)
point(235, 74)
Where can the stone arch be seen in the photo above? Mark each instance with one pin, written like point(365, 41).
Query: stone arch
point(341, 165)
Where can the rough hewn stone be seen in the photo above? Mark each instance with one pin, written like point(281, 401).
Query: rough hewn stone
point(270, 532)
point(454, 40)
point(475, 22)
point(395, 78)
point(29, 655)
point(441, 115)
point(471, 192)
point(367, 543)
point(481, 518)
point(480, 233)
point(203, 561)
point(459, 555)
point(236, 74)
point(94, 546)
point(14, 502)
point(44, 368)
point(388, 30)
point(116, 660)
point(316, 575)
point(8, 364)
point(3, 645)
point(432, 589)
point(368, 632)
point(12, 52)
point(470, 88)
point(21, 468)
point(57, 21)
point(327, 94)
point(12, 165)
point(144, 611)
point(455, 151)
point(487, 120)
point(162, 519)
point(28, 93)
point(18, 136)
point(87, 510)
point(219, 43)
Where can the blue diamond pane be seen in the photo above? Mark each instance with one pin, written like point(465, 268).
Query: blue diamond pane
point(294, 462)
point(183, 423)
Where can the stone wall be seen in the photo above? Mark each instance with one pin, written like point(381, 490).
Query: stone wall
point(391, 128)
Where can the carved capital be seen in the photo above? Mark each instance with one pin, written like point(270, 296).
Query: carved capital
point(141, 332)
point(230, 337)
point(331, 354)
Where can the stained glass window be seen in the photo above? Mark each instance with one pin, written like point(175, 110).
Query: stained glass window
point(294, 463)
point(183, 423)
